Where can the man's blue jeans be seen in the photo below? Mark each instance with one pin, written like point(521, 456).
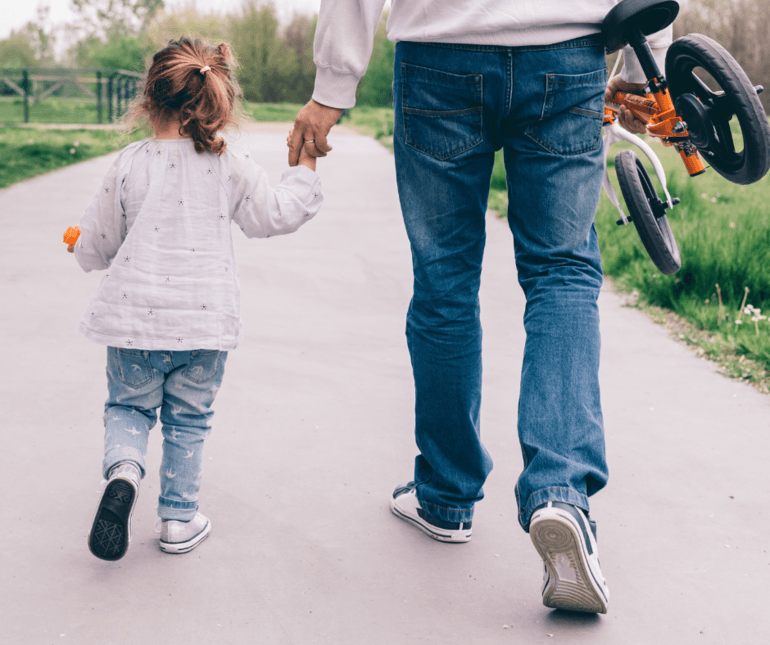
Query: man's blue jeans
point(455, 105)
point(183, 385)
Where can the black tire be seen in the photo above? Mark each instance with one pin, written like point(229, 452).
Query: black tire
point(739, 98)
point(655, 232)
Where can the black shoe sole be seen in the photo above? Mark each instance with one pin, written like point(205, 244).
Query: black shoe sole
point(110, 532)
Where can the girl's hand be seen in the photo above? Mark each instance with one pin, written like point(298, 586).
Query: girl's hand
point(305, 159)
point(71, 248)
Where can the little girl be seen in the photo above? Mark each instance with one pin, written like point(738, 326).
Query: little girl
point(168, 308)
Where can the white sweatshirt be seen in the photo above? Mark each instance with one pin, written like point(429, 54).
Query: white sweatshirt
point(160, 225)
point(345, 33)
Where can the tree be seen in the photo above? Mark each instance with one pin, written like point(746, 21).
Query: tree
point(299, 35)
point(16, 51)
point(108, 17)
point(268, 67)
point(119, 52)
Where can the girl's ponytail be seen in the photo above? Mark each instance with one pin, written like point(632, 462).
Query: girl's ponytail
point(194, 82)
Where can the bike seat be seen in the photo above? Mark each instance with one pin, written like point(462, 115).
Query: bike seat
point(647, 16)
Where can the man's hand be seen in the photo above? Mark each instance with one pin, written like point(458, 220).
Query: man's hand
point(626, 118)
point(311, 127)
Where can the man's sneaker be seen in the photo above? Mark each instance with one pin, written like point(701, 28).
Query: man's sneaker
point(566, 540)
point(405, 505)
point(110, 533)
point(182, 537)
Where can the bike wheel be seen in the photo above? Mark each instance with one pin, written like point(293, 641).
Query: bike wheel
point(709, 121)
point(646, 213)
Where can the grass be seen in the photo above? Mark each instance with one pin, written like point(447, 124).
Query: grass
point(28, 152)
point(723, 234)
point(51, 110)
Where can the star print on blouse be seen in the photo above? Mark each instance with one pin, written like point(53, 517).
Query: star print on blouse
point(157, 153)
point(156, 229)
point(126, 259)
point(149, 313)
point(203, 307)
point(209, 171)
point(106, 190)
point(172, 165)
point(315, 194)
point(307, 215)
point(229, 177)
point(168, 279)
point(247, 156)
point(129, 342)
point(104, 237)
point(125, 295)
point(192, 250)
point(226, 269)
point(181, 202)
point(221, 217)
point(178, 340)
point(248, 198)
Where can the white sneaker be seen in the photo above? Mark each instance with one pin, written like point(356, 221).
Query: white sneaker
point(183, 537)
point(110, 532)
point(566, 540)
point(405, 505)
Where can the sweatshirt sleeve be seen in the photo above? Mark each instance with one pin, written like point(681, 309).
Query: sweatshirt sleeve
point(103, 224)
point(659, 42)
point(262, 211)
point(342, 48)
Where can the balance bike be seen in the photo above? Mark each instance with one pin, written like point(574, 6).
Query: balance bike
point(682, 111)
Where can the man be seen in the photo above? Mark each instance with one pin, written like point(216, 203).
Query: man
point(471, 77)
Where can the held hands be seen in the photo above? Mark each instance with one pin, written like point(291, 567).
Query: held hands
point(309, 133)
point(305, 158)
point(626, 117)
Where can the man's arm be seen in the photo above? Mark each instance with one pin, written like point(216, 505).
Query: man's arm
point(341, 51)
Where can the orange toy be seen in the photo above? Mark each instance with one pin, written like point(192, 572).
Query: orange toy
point(71, 235)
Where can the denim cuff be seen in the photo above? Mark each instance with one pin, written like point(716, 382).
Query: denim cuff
point(447, 514)
point(122, 453)
point(558, 494)
point(169, 509)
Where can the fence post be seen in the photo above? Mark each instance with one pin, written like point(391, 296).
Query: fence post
point(99, 96)
point(25, 87)
point(109, 98)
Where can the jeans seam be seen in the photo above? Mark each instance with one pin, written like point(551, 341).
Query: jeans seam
point(577, 43)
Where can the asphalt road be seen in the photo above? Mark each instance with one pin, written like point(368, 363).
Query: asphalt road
point(314, 428)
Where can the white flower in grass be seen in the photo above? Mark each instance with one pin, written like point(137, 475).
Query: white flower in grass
point(739, 322)
point(714, 199)
point(77, 143)
point(705, 196)
point(72, 151)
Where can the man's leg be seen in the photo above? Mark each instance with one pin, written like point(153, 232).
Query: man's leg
point(553, 157)
point(444, 162)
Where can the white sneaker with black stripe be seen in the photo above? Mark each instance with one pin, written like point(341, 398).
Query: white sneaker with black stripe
point(405, 505)
point(566, 540)
point(182, 537)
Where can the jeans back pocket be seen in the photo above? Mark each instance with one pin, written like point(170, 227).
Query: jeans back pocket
point(442, 111)
point(573, 110)
point(133, 367)
point(204, 365)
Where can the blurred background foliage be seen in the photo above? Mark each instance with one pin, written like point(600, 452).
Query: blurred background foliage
point(276, 61)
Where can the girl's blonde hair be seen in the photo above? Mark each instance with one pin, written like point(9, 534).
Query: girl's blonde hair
point(177, 85)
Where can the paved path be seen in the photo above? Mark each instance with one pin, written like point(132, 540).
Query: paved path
point(313, 430)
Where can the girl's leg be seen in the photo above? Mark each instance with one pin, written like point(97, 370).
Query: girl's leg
point(189, 393)
point(135, 392)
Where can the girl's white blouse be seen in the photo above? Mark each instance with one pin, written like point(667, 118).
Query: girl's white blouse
point(160, 225)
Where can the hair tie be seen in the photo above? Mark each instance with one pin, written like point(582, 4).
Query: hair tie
point(205, 69)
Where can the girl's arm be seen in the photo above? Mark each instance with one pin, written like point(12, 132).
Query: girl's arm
point(102, 226)
point(263, 211)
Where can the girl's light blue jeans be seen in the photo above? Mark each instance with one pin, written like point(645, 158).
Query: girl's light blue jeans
point(455, 105)
point(183, 385)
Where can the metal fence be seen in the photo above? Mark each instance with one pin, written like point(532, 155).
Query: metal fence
point(112, 89)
